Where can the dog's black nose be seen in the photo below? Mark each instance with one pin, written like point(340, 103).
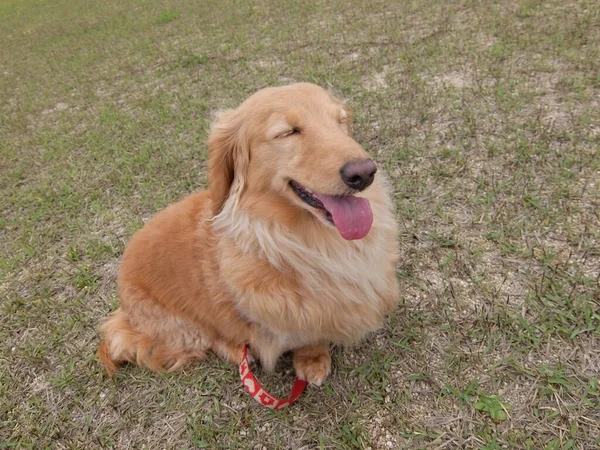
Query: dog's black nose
point(359, 174)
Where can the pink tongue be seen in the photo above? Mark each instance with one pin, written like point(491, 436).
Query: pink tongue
point(352, 216)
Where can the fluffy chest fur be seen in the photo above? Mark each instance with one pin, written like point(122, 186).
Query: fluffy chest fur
point(307, 284)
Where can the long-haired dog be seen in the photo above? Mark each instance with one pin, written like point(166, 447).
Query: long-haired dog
point(292, 247)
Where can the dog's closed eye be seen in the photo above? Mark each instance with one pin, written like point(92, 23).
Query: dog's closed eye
point(289, 132)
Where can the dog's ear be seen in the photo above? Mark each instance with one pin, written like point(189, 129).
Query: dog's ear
point(229, 157)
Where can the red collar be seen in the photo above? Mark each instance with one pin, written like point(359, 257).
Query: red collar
point(259, 394)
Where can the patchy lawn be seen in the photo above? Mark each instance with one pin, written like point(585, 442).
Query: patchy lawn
point(485, 114)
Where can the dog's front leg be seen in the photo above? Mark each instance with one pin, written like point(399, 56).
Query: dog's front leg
point(312, 363)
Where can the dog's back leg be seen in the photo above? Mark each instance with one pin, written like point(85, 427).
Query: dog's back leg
point(151, 338)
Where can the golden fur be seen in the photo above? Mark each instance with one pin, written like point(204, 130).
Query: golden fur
point(247, 261)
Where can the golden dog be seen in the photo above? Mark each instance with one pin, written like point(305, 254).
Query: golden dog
point(292, 247)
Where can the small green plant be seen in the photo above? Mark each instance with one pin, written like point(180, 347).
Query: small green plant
point(84, 279)
point(166, 17)
point(192, 60)
point(492, 404)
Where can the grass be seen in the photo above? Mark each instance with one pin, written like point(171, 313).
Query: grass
point(485, 116)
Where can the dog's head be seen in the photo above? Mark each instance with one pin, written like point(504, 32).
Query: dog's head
point(293, 142)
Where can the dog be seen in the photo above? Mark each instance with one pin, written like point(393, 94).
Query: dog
point(292, 247)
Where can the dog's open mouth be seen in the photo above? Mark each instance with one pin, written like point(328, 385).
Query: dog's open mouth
point(351, 215)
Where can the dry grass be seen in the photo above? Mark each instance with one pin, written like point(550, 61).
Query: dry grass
point(486, 116)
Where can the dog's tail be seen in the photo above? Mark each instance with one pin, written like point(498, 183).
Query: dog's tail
point(109, 364)
point(119, 343)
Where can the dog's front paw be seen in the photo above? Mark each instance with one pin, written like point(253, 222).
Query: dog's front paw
point(312, 364)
